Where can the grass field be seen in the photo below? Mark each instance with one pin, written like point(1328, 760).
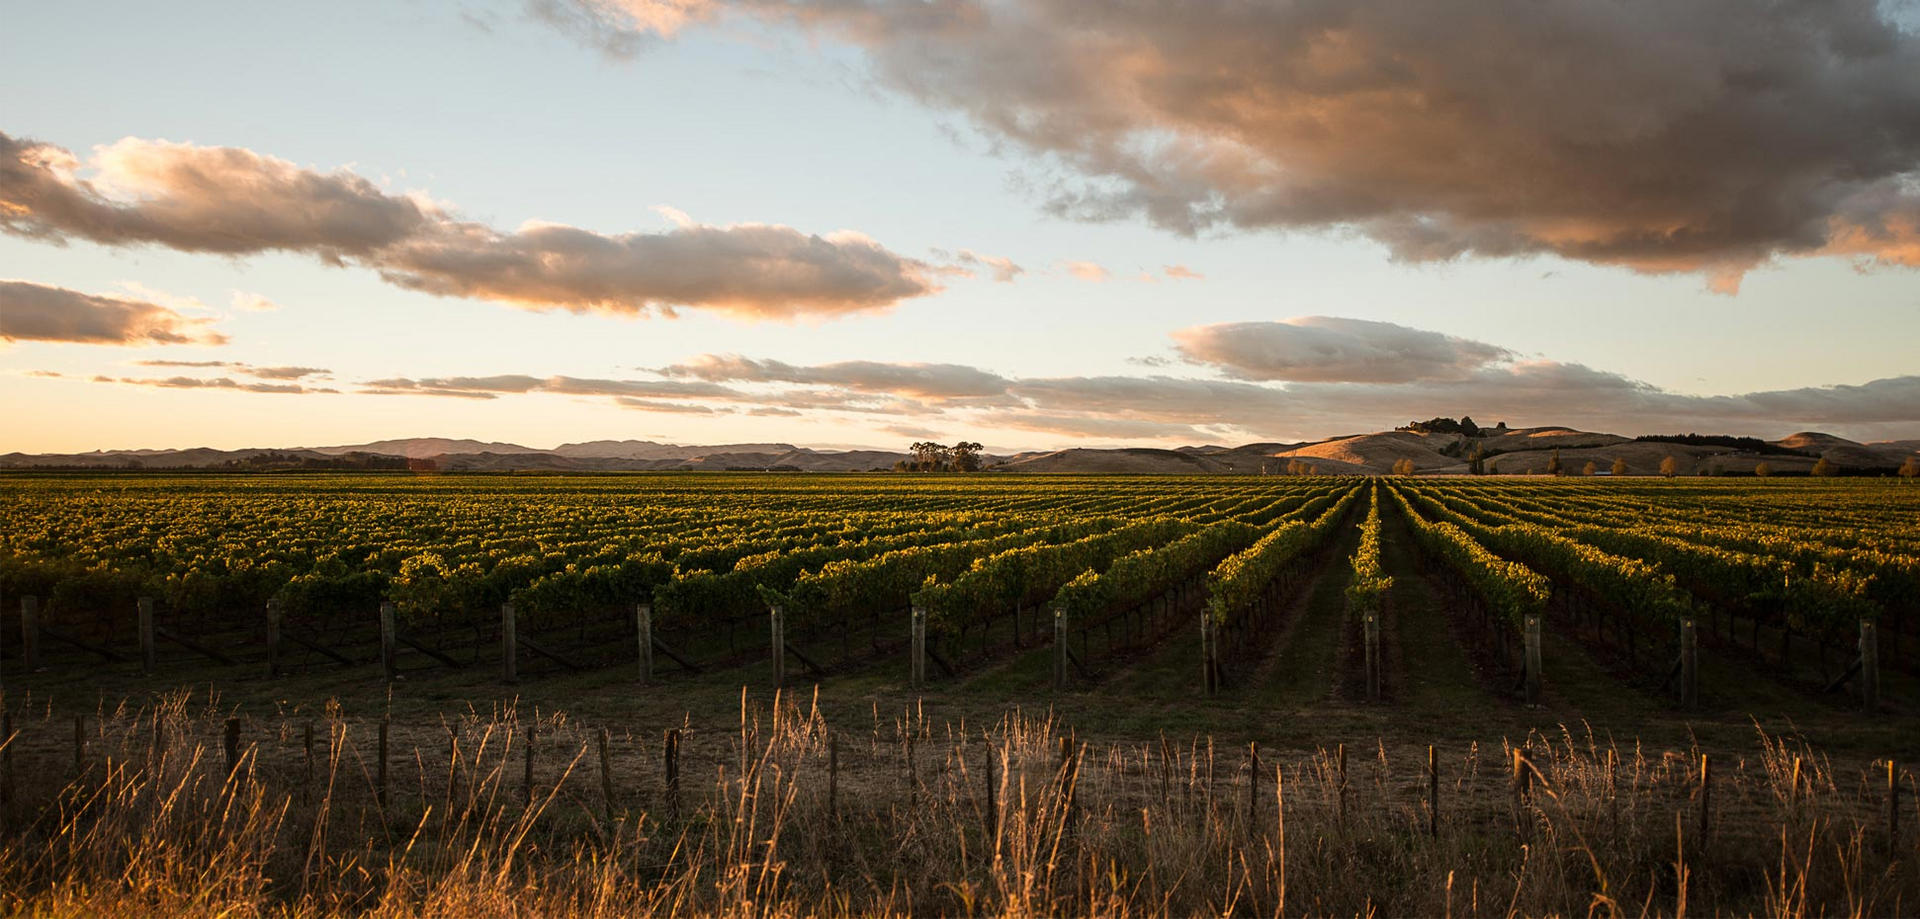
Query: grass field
point(852, 792)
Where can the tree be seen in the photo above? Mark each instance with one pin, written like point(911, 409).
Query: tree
point(1476, 464)
point(1553, 462)
point(1762, 470)
point(1590, 468)
point(1670, 466)
point(1824, 468)
point(966, 456)
point(929, 456)
point(1911, 468)
point(1467, 426)
point(1619, 465)
point(1403, 467)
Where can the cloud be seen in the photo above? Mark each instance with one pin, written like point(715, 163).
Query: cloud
point(248, 302)
point(219, 383)
point(655, 405)
point(1087, 271)
point(1002, 269)
point(1332, 349)
point(1182, 273)
point(269, 373)
point(1704, 137)
point(234, 201)
point(39, 312)
point(913, 380)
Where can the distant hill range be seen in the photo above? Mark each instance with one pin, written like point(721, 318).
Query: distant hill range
point(1503, 451)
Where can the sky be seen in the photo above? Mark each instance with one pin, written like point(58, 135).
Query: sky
point(1033, 225)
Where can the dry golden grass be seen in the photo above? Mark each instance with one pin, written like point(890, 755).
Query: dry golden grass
point(783, 814)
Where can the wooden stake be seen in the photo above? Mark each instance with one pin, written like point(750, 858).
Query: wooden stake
point(778, 628)
point(526, 770)
point(672, 754)
point(1253, 789)
point(1433, 792)
point(1373, 657)
point(231, 745)
point(1340, 757)
point(389, 666)
point(380, 766)
point(1059, 648)
point(917, 652)
point(643, 622)
point(273, 646)
point(1689, 666)
point(1893, 806)
point(993, 801)
point(1706, 797)
point(509, 644)
point(145, 607)
point(1869, 665)
point(30, 633)
point(1533, 660)
point(833, 774)
point(606, 775)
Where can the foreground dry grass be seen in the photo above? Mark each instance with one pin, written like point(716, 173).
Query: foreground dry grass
point(134, 812)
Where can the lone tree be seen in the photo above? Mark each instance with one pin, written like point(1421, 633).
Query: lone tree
point(1824, 468)
point(966, 456)
point(1911, 468)
point(1590, 468)
point(1670, 466)
point(1403, 467)
point(1553, 462)
point(1762, 470)
point(1476, 461)
point(1619, 465)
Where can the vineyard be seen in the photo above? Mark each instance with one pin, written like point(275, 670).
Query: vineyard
point(1810, 585)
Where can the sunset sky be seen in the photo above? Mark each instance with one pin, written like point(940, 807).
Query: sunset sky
point(1030, 224)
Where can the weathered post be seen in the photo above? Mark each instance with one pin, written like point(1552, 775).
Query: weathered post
point(778, 627)
point(306, 741)
point(1706, 797)
point(273, 638)
point(1869, 665)
point(1340, 755)
point(509, 644)
point(30, 633)
point(389, 638)
point(1373, 657)
point(1253, 789)
point(145, 606)
point(380, 765)
point(671, 751)
point(1893, 806)
point(231, 746)
point(643, 623)
point(1533, 660)
point(993, 801)
point(606, 774)
point(1689, 666)
point(833, 774)
point(1209, 671)
point(917, 650)
point(1433, 792)
point(1059, 648)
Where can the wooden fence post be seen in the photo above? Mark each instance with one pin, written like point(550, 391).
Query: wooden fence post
point(30, 633)
point(389, 638)
point(1373, 656)
point(1689, 665)
point(917, 650)
point(643, 623)
point(1893, 806)
point(777, 626)
point(509, 644)
point(231, 746)
point(145, 607)
point(1706, 798)
point(380, 766)
point(833, 774)
point(606, 774)
point(671, 752)
point(993, 801)
point(1869, 665)
point(1059, 648)
point(526, 770)
point(1533, 660)
point(273, 638)
point(1433, 792)
point(1253, 789)
point(1209, 651)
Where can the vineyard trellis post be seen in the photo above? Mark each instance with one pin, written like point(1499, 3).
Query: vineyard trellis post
point(643, 626)
point(30, 633)
point(273, 638)
point(777, 627)
point(388, 637)
point(144, 605)
point(1869, 665)
point(1059, 647)
point(1209, 652)
point(1689, 666)
point(1532, 666)
point(509, 645)
point(1372, 624)
point(917, 650)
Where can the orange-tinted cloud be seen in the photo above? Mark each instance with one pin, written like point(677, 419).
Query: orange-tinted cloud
point(39, 312)
point(1708, 136)
point(1332, 349)
point(236, 202)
